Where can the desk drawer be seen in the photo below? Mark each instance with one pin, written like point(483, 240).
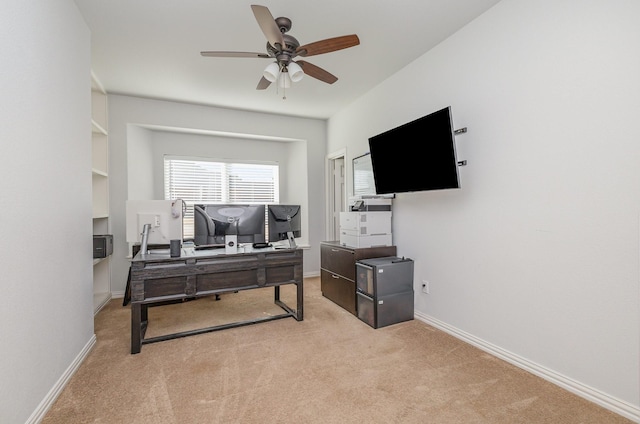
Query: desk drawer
point(164, 287)
point(281, 274)
point(237, 280)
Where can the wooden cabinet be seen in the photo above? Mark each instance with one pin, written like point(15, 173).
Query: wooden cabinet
point(338, 270)
point(100, 190)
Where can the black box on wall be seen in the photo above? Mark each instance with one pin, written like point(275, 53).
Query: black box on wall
point(102, 245)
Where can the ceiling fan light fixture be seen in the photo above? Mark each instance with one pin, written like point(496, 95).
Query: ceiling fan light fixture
point(271, 72)
point(285, 80)
point(295, 71)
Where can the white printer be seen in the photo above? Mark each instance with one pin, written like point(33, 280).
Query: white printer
point(367, 224)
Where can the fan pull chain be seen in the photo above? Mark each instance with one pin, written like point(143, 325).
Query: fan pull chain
point(278, 83)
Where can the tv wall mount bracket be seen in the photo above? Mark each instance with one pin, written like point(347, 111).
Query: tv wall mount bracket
point(457, 132)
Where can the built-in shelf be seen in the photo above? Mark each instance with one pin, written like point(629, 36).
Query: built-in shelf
point(100, 190)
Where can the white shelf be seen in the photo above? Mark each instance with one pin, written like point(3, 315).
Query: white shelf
point(99, 173)
point(97, 128)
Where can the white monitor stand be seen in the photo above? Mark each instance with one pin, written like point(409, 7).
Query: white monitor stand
point(230, 244)
point(292, 240)
point(145, 239)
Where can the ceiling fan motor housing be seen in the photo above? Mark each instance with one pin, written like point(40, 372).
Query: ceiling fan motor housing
point(283, 23)
point(290, 43)
point(285, 54)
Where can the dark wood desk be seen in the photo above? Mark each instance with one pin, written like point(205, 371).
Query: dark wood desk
point(159, 278)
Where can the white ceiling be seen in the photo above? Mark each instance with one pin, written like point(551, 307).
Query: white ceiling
point(151, 48)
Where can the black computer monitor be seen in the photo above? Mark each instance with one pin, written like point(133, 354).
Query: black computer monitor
point(284, 223)
point(213, 221)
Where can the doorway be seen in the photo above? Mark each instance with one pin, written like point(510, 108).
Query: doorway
point(336, 192)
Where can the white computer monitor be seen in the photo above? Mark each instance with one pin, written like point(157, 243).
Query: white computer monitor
point(163, 216)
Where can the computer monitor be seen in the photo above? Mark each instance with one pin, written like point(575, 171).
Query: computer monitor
point(285, 223)
point(212, 222)
point(163, 217)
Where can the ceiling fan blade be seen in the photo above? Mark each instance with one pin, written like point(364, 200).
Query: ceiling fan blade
point(317, 72)
point(263, 83)
point(268, 25)
point(328, 45)
point(234, 54)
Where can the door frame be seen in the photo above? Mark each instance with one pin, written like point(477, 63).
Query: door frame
point(331, 190)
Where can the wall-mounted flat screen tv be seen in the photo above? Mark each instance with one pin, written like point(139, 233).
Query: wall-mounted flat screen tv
point(417, 156)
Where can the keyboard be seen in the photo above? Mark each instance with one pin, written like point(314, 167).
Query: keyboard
point(209, 246)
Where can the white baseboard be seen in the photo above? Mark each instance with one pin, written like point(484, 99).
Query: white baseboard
point(102, 304)
point(55, 391)
point(620, 407)
point(117, 294)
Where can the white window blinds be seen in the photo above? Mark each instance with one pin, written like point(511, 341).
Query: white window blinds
point(209, 181)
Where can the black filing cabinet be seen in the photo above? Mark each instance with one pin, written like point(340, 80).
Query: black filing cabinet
point(384, 290)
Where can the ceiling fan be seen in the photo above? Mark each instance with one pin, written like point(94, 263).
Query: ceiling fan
point(284, 48)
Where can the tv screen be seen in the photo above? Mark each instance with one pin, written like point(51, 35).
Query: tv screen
point(212, 222)
point(417, 156)
point(282, 220)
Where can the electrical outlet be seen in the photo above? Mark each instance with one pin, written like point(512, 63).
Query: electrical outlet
point(425, 286)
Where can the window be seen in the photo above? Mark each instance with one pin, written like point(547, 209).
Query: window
point(215, 181)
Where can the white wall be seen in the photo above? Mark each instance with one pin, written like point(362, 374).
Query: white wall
point(536, 257)
point(131, 117)
point(139, 164)
point(46, 318)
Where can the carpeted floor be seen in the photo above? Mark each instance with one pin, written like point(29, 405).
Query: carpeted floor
point(329, 368)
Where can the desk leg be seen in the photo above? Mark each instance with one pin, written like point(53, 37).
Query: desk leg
point(299, 301)
point(136, 327)
point(127, 291)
